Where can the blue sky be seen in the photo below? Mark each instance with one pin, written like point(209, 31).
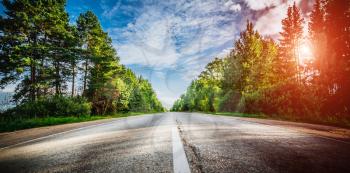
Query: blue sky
point(170, 42)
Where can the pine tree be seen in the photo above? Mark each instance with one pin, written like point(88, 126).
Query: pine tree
point(317, 38)
point(317, 22)
point(101, 63)
point(90, 31)
point(298, 33)
point(337, 28)
point(248, 50)
point(34, 35)
point(63, 42)
point(317, 32)
point(289, 43)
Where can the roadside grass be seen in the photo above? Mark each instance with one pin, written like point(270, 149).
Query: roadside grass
point(331, 121)
point(26, 123)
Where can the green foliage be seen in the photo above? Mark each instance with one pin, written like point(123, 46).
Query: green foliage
point(143, 98)
point(38, 44)
point(204, 93)
point(101, 65)
point(51, 106)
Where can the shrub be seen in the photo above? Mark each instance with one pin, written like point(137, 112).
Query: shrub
point(52, 106)
point(298, 101)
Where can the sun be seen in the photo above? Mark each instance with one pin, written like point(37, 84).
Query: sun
point(305, 52)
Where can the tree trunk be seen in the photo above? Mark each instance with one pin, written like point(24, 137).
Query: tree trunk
point(57, 78)
point(73, 78)
point(85, 76)
point(32, 80)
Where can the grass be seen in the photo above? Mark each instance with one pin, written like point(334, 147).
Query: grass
point(26, 123)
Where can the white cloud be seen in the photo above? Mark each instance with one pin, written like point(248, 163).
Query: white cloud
point(224, 53)
point(236, 8)
point(143, 55)
point(262, 4)
point(109, 11)
point(167, 101)
point(232, 6)
point(148, 43)
point(270, 22)
point(166, 33)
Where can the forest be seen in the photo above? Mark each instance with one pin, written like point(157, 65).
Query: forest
point(262, 75)
point(64, 69)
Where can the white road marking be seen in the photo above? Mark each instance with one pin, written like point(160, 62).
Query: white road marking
point(179, 156)
point(55, 134)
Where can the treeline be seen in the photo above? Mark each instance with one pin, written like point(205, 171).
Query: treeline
point(65, 69)
point(261, 75)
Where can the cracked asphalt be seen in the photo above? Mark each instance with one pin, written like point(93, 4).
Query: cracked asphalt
point(144, 144)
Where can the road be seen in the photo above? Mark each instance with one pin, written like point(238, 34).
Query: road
point(177, 142)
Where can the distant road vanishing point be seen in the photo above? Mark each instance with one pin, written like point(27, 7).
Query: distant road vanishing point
point(177, 142)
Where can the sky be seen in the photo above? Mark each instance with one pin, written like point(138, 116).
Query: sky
point(170, 42)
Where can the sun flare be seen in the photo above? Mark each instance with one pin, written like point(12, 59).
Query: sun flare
point(305, 52)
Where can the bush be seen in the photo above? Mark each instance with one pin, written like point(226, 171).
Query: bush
point(52, 106)
point(298, 101)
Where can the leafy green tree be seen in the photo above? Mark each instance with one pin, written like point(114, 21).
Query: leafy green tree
point(143, 98)
point(203, 94)
point(247, 51)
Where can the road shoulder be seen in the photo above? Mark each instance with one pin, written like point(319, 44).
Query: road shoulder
point(16, 137)
point(315, 129)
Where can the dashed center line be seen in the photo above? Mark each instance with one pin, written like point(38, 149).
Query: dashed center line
point(179, 156)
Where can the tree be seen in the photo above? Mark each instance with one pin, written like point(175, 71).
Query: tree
point(143, 98)
point(290, 42)
point(337, 29)
point(317, 29)
point(246, 57)
point(89, 31)
point(34, 33)
point(298, 33)
point(317, 36)
point(100, 64)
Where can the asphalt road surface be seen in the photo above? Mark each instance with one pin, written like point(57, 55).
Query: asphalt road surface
point(177, 142)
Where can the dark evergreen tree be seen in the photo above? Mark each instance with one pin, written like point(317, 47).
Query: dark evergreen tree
point(292, 31)
point(337, 28)
point(35, 36)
